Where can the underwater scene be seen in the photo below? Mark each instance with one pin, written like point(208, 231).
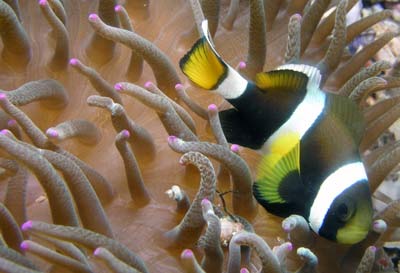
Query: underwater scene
point(199, 136)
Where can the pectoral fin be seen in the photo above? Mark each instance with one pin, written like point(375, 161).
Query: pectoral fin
point(279, 187)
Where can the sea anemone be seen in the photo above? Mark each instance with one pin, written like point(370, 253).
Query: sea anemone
point(103, 196)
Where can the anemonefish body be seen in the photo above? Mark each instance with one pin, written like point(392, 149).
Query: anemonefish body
point(308, 140)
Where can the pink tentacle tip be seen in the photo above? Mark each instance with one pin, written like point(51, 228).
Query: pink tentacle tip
point(126, 133)
point(178, 86)
point(11, 123)
point(212, 107)
point(290, 246)
point(43, 2)
point(297, 16)
point(187, 254)
point(97, 251)
point(244, 270)
point(4, 132)
point(205, 202)
point(117, 8)
point(27, 225)
point(287, 227)
point(235, 148)
point(172, 139)
point(148, 84)
point(3, 96)
point(372, 248)
point(24, 245)
point(52, 133)
point(118, 87)
point(93, 17)
point(74, 61)
point(242, 65)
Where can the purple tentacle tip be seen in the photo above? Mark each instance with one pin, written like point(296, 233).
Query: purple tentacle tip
point(118, 87)
point(187, 253)
point(297, 15)
point(205, 202)
point(172, 139)
point(52, 133)
point(117, 8)
point(372, 248)
point(178, 86)
point(24, 245)
point(148, 84)
point(235, 148)
point(4, 132)
point(212, 107)
point(242, 65)
point(11, 123)
point(27, 225)
point(3, 96)
point(244, 270)
point(290, 246)
point(73, 61)
point(287, 227)
point(126, 133)
point(93, 17)
point(96, 252)
point(43, 2)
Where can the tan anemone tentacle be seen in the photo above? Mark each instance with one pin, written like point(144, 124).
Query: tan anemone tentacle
point(141, 140)
point(232, 14)
point(311, 261)
point(257, 46)
point(337, 44)
point(382, 166)
point(243, 201)
point(367, 261)
point(16, 257)
point(83, 130)
point(136, 186)
point(311, 18)
point(377, 110)
point(213, 254)
point(271, 9)
point(60, 57)
point(326, 26)
point(101, 49)
point(98, 82)
point(162, 105)
point(362, 75)
point(15, 199)
point(190, 263)
point(192, 104)
point(87, 239)
point(164, 71)
point(344, 72)
point(135, 67)
point(358, 27)
point(294, 40)
point(269, 261)
point(378, 126)
point(10, 230)
point(54, 257)
point(367, 86)
point(189, 229)
point(113, 263)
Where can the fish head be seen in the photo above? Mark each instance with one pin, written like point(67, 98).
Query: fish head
point(349, 217)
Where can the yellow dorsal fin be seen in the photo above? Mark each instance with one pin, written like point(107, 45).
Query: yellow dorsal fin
point(282, 160)
point(281, 80)
point(203, 66)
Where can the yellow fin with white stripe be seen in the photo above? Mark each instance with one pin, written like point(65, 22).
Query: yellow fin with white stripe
point(282, 161)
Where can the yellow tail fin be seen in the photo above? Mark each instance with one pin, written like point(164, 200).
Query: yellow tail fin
point(202, 65)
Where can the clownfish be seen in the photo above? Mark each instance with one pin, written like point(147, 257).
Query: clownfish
point(308, 140)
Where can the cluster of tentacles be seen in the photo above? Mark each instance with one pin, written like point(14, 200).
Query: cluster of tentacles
point(98, 204)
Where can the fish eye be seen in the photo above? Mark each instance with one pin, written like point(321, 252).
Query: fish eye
point(344, 211)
